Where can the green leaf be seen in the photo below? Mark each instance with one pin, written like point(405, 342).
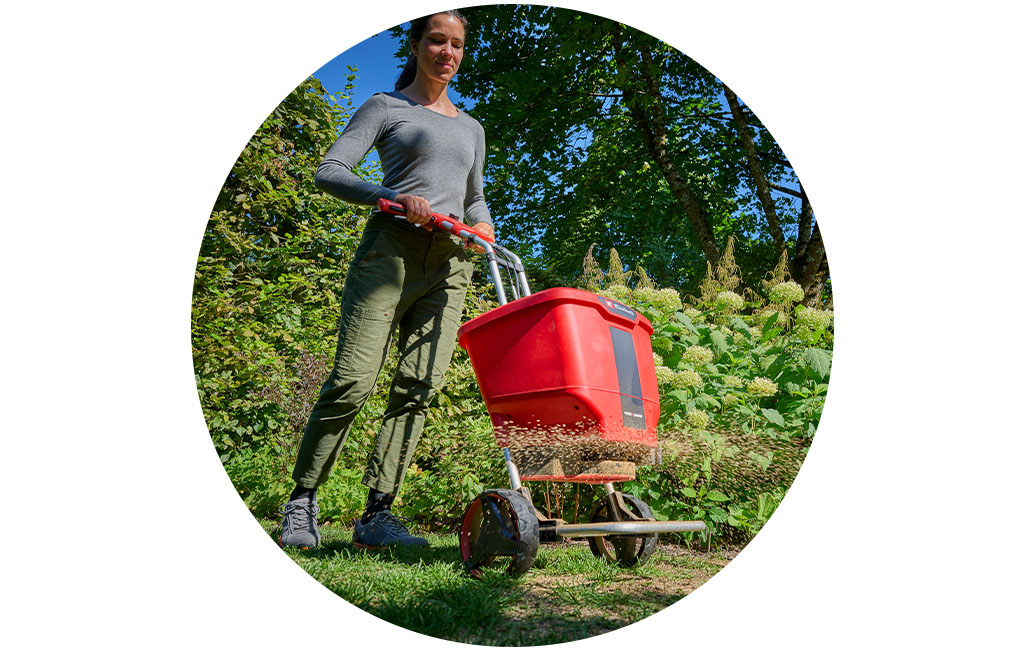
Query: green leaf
point(819, 361)
point(687, 323)
point(672, 358)
point(690, 492)
point(720, 341)
point(770, 334)
point(766, 362)
point(739, 325)
point(763, 461)
point(716, 495)
point(774, 417)
point(680, 395)
point(707, 400)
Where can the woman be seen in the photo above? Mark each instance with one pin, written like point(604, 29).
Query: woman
point(402, 279)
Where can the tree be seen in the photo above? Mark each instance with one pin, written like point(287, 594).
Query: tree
point(598, 133)
point(809, 266)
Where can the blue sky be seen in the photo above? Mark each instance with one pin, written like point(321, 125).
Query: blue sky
point(378, 68)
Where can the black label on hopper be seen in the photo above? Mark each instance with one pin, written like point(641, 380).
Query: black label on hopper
point(628, 371)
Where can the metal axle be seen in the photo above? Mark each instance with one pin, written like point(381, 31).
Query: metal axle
point(604, 528)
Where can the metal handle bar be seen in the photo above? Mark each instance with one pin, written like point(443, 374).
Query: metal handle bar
point(449, 223)
point(497, 256)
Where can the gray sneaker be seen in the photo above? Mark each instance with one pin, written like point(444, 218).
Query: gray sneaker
point(298, 528)
point(384, 529)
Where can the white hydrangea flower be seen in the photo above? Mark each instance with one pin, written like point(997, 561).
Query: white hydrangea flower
point(762, 387)
point(668, 301)
point(694, 314)
point(786, 292)
point(815, 319)
point(698, 354)
point(689, 379)
point(658, 361)
point(729, 301)
point(698, 419)
point(665, 375)
point(733, 382)
point(619, 292)
point(730, 400)
point(646, 295)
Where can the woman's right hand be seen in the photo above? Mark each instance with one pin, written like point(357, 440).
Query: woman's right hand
point(417, 208)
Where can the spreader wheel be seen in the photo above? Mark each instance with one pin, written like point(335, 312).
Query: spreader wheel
point(624, 550)
point(499, 523)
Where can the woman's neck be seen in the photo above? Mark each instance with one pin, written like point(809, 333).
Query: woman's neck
point(431, 95)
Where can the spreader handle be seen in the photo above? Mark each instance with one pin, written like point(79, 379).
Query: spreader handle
point(454, 226)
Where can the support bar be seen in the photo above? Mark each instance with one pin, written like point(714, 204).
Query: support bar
point(603, 528)
point(513, 471)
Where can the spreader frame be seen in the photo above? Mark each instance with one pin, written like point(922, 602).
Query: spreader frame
point(626, 524)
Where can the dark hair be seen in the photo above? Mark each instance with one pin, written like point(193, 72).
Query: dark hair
point(415, 34)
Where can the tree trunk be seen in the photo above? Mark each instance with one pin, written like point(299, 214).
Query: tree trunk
point(804, 268)
point(764, 193)
point(803, 237)
point(649, 115)
point(813, 289)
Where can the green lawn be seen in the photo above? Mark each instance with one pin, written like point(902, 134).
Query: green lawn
point(568, 594)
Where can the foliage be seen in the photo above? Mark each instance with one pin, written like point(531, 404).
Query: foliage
point(575, 107)
point(265, 297)
point(743, 378)
point(741, 398)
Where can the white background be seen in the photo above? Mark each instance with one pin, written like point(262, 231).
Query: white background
point(121, 122)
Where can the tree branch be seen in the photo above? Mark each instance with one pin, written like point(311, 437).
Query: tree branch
point(775, 159)
point(786, 190)
point(753, 161)
point(649, 116)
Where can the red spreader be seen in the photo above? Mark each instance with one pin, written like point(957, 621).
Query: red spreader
point(568, 379)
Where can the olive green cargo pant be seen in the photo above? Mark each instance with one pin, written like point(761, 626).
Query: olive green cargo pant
point(402, 279)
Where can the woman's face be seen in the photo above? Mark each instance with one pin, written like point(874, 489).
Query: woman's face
point(439, 51)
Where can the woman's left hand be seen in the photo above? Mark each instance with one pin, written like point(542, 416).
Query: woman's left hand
point(484, 229)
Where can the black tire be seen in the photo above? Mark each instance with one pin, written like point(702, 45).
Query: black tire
point(499, 523)
point(624, 550)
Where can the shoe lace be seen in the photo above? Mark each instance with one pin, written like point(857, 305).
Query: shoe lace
point(392, 522)
point(298, 515)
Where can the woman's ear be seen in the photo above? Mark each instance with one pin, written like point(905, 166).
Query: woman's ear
point(414, 47)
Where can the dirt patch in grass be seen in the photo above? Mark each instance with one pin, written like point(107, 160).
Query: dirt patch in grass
point(568, 594)
point(559, 605)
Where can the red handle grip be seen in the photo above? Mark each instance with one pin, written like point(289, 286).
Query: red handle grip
point(456, 227)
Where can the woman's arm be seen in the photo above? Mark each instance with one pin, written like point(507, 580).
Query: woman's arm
point(476, 212)
point(335, 175)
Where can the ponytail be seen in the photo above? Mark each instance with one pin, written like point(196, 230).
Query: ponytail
point(408, 73)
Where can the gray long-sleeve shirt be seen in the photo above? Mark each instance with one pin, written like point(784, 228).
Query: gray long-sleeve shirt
point(421, 152)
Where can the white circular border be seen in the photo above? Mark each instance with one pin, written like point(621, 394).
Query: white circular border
point(894, 116)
